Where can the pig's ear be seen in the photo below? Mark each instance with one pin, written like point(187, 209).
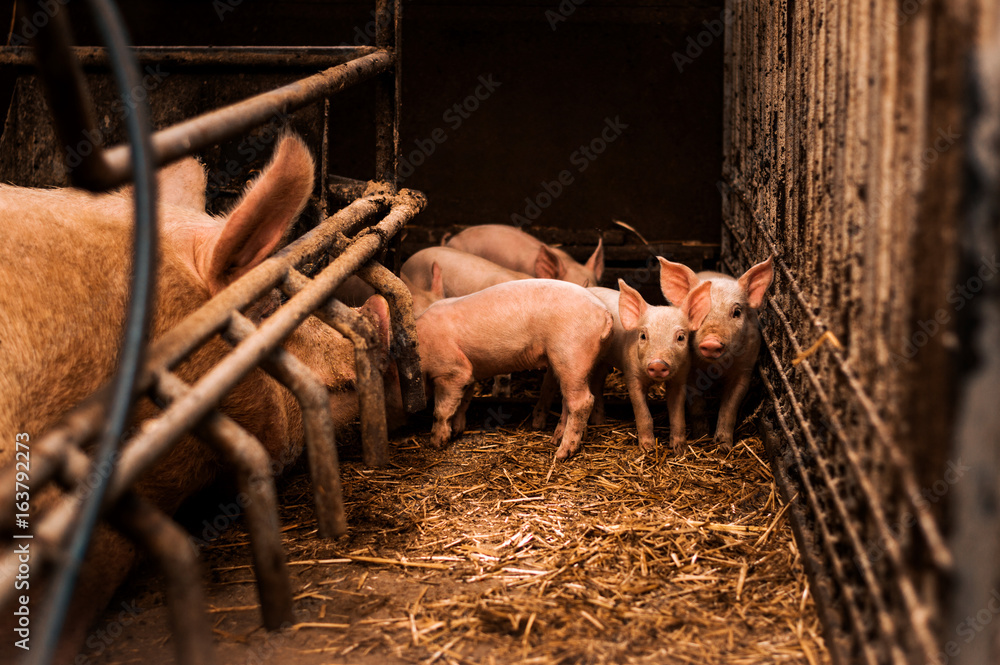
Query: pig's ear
point(377, 311)
point(676, 280)
point(596, 260)
point(548, 264)
point(183, 184)
point(255, 228)
point(631, 306)
point(698, 304)
point(755, 281)
point(437, 280)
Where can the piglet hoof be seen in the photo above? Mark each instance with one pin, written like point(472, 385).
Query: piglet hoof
point(677, 445)
point(597, 418)
point(538, 420)
point(564, 453)
point(647, 445)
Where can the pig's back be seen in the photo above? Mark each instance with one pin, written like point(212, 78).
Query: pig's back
point(519, 320)
point(504, 245)
point(63, 261)
point(463, 273)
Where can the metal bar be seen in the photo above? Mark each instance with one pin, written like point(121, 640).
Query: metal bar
point(216, 126)
point(940, 553)
point(345, 190)
point(317, 423)
point(170, 546)
point(252, 465)
point(387, 16)
point(368, 381)
point(285, 57)
point(404, 333)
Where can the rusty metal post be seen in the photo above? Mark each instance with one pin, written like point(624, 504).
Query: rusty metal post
point(404, 333)
point(368, 380)
point(171, 548)
point(252, 466)
point(387, 99)
point(324, 466)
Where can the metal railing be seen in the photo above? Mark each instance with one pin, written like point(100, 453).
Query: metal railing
point(353, 238)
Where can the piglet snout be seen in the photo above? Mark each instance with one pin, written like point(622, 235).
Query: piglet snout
point(711, 347)
point(658, 370)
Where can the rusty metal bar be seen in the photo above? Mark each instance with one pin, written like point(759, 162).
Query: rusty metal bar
point(285, 57)
point(213, 127)
point(387, 93)
point(252, 466)
point(345, 190)
point(368, 381)
point(317, 423)
point(932, 535)
point(404, 333)
point(171, 548)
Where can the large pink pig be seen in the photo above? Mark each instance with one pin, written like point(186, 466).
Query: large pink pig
point(513, 248)
point(64, 272)
point(727, 344)
point(520, 325)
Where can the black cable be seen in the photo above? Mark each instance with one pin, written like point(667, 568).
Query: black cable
point(126, 71)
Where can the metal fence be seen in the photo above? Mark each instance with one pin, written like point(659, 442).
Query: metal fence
point(353, 238)
point(846, 148)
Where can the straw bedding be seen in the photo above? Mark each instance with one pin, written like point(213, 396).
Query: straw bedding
point(486, 552)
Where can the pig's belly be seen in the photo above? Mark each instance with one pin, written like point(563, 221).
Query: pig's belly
point(503, 357)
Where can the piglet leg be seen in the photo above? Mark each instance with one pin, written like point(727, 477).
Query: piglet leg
point(732, 396)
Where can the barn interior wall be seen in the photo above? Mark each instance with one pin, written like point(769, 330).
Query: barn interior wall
point(845, 130)
point(499, 99)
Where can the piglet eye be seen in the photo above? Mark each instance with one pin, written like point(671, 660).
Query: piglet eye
point(642, 336)
point(737, 312)
point(681, 337)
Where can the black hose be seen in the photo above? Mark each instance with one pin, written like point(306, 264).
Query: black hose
point(126, 71)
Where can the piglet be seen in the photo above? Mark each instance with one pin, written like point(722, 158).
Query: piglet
point(520, 325)
point(513, 248)
point(727, 343)
point(461, 273)
point(425, 297)
point(650, 345)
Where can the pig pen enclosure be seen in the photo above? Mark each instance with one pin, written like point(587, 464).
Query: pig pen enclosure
point(856, 143)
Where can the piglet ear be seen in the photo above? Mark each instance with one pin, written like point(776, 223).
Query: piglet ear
point(596, 261)
point(676, 280)
point(698, 304)
point(437, 280)
point(254, 229)
point(376, 309)
point(755, 282)
point(548, 264)
point(631, 306)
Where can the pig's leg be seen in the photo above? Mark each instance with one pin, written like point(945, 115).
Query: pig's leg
point(501, 385)
point(449, 391)
point(643, 419)
point(733, 393)
point(597, 379)
point(676, 395)
point(458, 421)
point(577, 403)
point(550, 386)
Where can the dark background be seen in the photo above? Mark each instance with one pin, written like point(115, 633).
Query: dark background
point(557, 88)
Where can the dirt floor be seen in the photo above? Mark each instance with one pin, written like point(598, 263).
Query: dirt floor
point(487, 553)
